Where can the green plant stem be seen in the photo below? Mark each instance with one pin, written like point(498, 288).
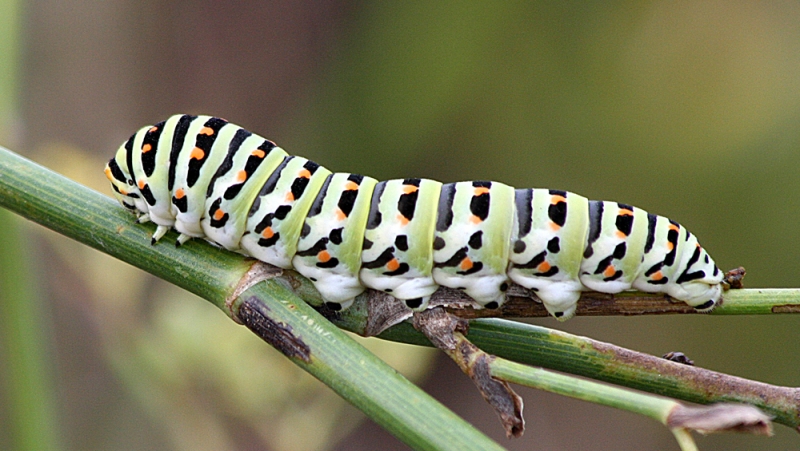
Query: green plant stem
point(357, 375)
point(651, 406)
point(684, 439)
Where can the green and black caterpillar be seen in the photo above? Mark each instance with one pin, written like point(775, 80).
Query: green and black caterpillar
point(211, 179)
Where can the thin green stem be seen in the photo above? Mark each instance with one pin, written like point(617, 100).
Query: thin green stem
point(651, 406)
point(757, 301)
point(684, 439)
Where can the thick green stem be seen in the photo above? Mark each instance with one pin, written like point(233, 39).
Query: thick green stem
point(84, 215)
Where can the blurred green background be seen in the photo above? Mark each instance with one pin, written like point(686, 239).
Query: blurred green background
point(689, 110)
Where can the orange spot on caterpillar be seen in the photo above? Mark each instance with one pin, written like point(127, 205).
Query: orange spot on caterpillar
point(674, 227)
point(554, 227)
point(408, 189)
point(107, 171)
point(241, 176)
point(393, 265)
point(268, 233)
point(258, 153)
point(153, 129)
point(480, 190)
point(466, 264)
point(610, 271)
point(197, 154)
point(207, 131)
point(625, 212)
point(323, 256)
point(146, 148)
point(351, 186)
point(670, 246)
point(475, 220)
point(304, 174)
point(289, 197)
point(219, 214)
point(124, 192)
point(658, 275)
point(543, 267)
point(621, 235)
point(402, 220)
point(141, 184)
point(557, 199)
point(179, 193)
point(340, 215)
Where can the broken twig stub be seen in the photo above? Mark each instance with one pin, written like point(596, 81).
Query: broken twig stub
point(446, 332)
point(258, 271)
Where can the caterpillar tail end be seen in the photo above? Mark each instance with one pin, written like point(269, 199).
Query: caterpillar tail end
point(703, 297)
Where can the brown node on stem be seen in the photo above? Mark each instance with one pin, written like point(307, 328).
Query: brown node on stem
point(723, 417)
point(733, 278)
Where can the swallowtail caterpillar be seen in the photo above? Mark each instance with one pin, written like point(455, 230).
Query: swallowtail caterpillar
point(208, 178)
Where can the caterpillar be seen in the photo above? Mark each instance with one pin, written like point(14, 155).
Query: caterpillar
point(208, 178)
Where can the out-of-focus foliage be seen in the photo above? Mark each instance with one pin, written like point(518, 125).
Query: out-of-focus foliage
point(28, 418)
point(690, 110)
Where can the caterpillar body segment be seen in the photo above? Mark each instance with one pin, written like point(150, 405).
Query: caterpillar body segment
point(547, 247)
point(211, 179)
point(248, 162)
point(276, 218)
point(608, 265)
point(329, 250)
point(473, 232)
point(397, 254)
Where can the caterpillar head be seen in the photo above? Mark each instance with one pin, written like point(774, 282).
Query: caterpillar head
point(123, 189)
